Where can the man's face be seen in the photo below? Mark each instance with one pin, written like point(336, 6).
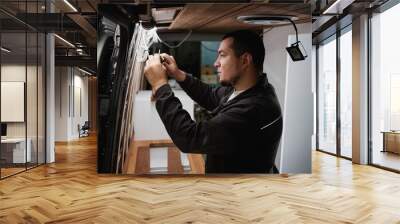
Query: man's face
point(227, 64)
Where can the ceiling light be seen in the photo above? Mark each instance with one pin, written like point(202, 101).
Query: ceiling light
point(164, 15)
point(270, 20)
point(70, 5)
point(84, 71)
point(5, 50)
point(65, 41)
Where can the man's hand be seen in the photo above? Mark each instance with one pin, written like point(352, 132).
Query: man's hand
point(172, 68)
point(155, 73)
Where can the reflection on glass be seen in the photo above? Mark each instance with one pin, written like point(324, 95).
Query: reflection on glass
point(14, 151)
point(386, 88)
point(41, 99)
point(327, 97)
point(31, 101)
point(346, 93)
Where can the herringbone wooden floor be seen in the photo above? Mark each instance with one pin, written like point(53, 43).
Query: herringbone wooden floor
point(70, 191)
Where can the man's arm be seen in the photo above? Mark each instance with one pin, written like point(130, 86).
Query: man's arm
point(205, 95)
point(215, 136)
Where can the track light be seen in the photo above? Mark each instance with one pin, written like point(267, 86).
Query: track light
point(65, 41)
point(84, 71)
point(270, 20)
point(5, 50)
point(70, 5)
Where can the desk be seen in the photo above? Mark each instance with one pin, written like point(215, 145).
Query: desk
point(391, 141)
point(13, 150)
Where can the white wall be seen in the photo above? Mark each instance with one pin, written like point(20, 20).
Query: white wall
point(293, 85)
point(147, 122)
point(314, 91)
point(33, 126)
point(79, 117)
point(61, 103)
point(70, 84)
point(18, 73)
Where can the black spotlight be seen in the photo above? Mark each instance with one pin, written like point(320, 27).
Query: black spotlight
point(297, 51)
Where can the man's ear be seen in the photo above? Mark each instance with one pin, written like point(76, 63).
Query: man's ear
point(247, 59)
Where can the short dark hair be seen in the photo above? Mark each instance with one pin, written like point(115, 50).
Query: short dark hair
point(250, 42)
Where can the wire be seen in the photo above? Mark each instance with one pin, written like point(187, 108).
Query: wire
point(207, 48)
point(295, 28)
point(179, 44)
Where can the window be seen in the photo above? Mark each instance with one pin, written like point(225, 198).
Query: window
point(327, 96)
point(385, 89)
point(346, 92)
point(335, 94)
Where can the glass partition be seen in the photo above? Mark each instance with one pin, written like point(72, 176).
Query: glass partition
point(15, 150)
point(22, 77)
point(31, 100)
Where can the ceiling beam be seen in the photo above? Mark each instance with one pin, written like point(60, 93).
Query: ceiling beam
point(84, 61)
point(86, 26)
point(88, 29)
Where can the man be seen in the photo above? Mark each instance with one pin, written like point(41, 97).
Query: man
point(246, 125)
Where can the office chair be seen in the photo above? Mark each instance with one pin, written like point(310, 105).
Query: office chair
point(84, 130)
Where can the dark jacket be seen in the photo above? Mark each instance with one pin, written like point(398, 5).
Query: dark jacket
point(241, 137)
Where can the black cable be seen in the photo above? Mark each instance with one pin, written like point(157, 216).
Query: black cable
point(295, 28)
point(207, 48)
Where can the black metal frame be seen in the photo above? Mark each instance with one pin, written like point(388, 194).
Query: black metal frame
point(338, 97)
point(369, 83)
point(339, 32)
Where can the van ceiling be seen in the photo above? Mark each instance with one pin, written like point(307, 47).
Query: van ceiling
point(219, 18)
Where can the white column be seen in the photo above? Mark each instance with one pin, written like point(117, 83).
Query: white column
point(50, 92)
